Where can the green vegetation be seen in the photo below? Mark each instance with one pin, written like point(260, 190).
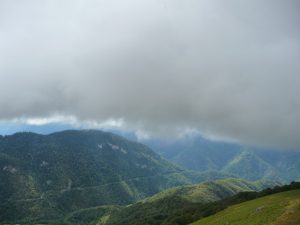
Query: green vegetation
point(89, 216)
point(45, 177)
point(276, 209)
point(211, 191)
point(199, 154)
point(181, 205)
point(90, 177)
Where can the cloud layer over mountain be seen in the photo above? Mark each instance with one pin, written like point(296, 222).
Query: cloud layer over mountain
point(228, 68)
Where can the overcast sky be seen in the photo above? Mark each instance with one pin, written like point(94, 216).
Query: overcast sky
point(230, 69)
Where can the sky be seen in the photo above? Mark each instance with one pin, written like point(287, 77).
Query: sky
point(227, 69)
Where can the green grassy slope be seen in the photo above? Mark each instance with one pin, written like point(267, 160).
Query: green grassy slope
point(181, 203)
point(277, 209)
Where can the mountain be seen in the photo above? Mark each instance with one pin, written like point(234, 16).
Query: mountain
point(195, 153)
point(250, 166)
point(186, 202)
point(184, 205)
point(44, 177)
point(89, 176)
point(276, 209)
point(200, 154)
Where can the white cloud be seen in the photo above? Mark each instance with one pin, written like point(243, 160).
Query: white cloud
point(228, 69)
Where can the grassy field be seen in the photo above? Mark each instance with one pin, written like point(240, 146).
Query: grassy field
point(277, 209)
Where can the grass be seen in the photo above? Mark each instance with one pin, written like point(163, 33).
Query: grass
point(277, 209)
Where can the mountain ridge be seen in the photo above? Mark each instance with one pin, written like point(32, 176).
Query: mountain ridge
point(70, 170)
point(199, 154)
point(174, 204)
